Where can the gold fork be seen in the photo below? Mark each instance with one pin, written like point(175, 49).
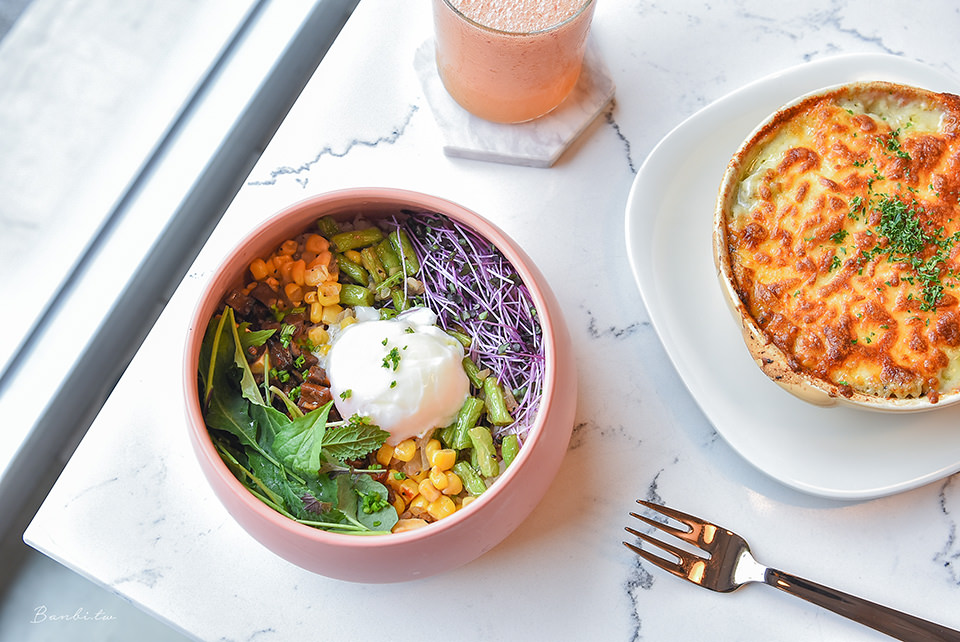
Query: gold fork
point(728, 565)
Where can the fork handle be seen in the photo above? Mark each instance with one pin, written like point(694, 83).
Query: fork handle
point(886, 620)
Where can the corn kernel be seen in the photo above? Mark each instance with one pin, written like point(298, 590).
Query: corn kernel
point(428, 490)
point(316, 244)
point(454, 484)
point(289, 248)
point(444, 459)
point(297, 271)
point(324, 350)
point(286, 270)
point(317, 335)
point(408, 489)
point(310, 296)
point(294, 292)
point(431, 448)
point(438, 478)
point(354, 256)
point(405, 450)
point(270, 265)
point(442, 507)
point(469, 499)
point(258, 268)
point(329, 288)
point(411, 524)
point(420, 475)
point(316, 312)
point(347, 321)
point(394, 479)
point(385, 454)
point(328, 300)
point(323, 258)
point(314, 276)
point(419, 505)
point(330, 313)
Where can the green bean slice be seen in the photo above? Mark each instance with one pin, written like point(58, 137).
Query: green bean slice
point(356, 239)
point(404, 249)
point(495, 403)
point(353, 295)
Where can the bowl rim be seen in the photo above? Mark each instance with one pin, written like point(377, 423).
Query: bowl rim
point(383, 197)
point(770, 358)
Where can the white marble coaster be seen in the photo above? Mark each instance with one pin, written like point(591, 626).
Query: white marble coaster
point(538, 143)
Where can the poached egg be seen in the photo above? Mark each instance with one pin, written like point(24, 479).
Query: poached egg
point(405, 374)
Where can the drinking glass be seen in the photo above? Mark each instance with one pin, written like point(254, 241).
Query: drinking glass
point(510, 61)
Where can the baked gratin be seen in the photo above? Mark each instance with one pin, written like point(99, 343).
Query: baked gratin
point(837, 236)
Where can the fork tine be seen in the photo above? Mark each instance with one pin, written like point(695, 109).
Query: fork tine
point(656, 560)
point(700, 533)
point(684, 518)
point(676, 532)
point(682, 555)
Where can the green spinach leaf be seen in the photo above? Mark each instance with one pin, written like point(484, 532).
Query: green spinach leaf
point(347, 499)
point(215, 358)
point(230, 412)
point(319, 497)
point(248, 385)
point(205, 360)
point(373, 496)
point(227, 397)
point(298, 444)
point(269, 420)
point(279, 458)
point(271, 480)
point(254, 338)
point(291, 407)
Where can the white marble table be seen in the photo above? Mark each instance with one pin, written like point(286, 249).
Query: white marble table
point(131, 510)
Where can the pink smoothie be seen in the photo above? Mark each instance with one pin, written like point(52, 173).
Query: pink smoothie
point(511, 60)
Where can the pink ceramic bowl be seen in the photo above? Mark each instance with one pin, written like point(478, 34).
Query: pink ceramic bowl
point(440, 546)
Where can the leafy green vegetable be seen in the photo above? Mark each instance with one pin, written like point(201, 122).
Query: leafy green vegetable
point(347, 498)
point(228, 394)
point(247, 383)
point(354, 440)
point(269, 420)
point(279, 457)
point(207, 348)
point(374, 508)
point(899, 223)
point(907, 241)
point(292, 408)
point(253, 338)
point(271, 479)
point(298, 443)
point(392, 360)
point(231, 413)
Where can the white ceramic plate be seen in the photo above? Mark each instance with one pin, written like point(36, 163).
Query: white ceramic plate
point(837, 452)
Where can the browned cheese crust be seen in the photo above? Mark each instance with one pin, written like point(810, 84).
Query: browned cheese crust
point(841, 235)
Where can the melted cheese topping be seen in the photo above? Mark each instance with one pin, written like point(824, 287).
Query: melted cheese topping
point(844, 235)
